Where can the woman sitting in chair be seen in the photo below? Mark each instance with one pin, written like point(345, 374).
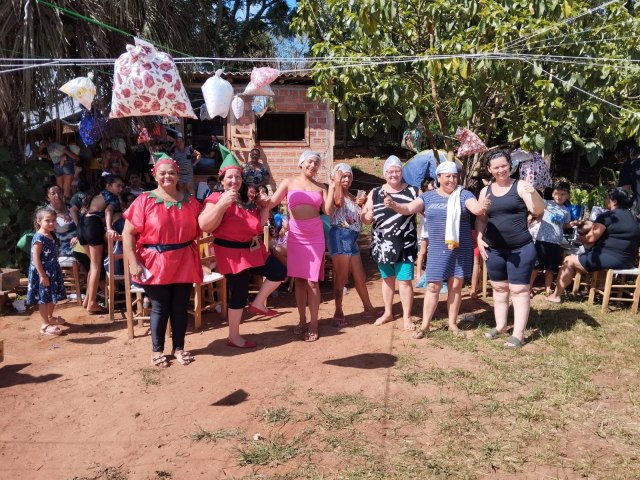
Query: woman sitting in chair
point(614, 238)
point(159, 241)
point(236, 224)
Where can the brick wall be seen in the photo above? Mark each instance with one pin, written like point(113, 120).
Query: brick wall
point(282, 157)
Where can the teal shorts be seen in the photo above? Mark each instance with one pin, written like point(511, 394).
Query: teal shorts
point(402, 270)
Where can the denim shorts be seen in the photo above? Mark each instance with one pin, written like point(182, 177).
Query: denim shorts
point(343, 241)
point(68, 169)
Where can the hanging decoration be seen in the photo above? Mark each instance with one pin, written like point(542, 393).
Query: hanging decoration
point(260, 105)
point(237, 106)
point(470, 143)
point(253, 90)
point(263, 76)
point(91, 127)
point(218, 94)
point(81, 89)
point(147, 82)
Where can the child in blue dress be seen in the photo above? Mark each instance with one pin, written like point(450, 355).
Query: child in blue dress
point(46, 285)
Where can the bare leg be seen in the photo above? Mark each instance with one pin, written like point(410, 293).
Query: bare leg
point(268, 287)
point(521, 306)
point(340, 276)
point(500, 304)
point(234, 318)
point(67, 180)
point(313, 297)
point(548, 280)
point(360, 282)
point(475, 276)
point(301, 300)
point(43, 309)
point(431, 298)
point(95, 256)
point(565, 277)
point(421, 254)
point(454, 299)
point(405, 288)
point(534, 274)
point(388, 291)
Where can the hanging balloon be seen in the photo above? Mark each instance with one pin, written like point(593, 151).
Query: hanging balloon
point(218, 94)
point(237, 106)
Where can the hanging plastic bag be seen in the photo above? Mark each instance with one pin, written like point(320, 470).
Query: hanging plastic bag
point(253, 90)
point(536, 172)
point(237, 106)
point(147, 82)
point(470, 143)
point(412, 139)
point(81, 89)
point(263, 76)
point(91, 128)
point(218, 94)
point(260, 105)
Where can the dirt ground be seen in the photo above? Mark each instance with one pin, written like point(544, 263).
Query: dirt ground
point(361, 402)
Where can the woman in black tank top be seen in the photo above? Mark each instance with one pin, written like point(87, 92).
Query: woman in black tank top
point(506, 245)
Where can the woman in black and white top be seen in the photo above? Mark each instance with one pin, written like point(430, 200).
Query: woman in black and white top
point(394, 240)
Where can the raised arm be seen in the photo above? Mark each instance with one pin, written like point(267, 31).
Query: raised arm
point(212, 214)
point(277, 196)
point(415, 206)
point(531, 198)
point(476, 207)
point(327, 196)
point(366, 215)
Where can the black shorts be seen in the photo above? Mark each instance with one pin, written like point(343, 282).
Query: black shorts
point(549, 256)
point(238, 283)
point(593, 261)
point(513, 265)
point(91, 230)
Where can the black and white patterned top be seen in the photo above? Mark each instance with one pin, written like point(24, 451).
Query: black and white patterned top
point(394, 237)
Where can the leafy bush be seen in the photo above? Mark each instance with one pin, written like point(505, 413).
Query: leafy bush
point(21, 191)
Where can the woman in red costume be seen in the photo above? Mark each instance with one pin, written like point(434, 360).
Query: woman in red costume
point(159, 240)
point(236, 224)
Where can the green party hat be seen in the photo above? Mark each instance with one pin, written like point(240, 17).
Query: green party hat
point(228, 159)
point(161, 156)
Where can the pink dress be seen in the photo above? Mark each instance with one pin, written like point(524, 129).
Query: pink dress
point(238, 225)
point(157, 222)
point(305, 241)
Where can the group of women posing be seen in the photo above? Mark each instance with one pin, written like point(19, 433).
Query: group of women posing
point(166, 263)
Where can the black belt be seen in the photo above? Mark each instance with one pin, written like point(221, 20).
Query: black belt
point(166, 247)
point(231, 244)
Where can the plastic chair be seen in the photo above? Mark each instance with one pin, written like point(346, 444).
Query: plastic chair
point(71, 275)
point(212, 292)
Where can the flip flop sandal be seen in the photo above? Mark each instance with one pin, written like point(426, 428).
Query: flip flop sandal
point(183, 357)
point(513, 343)
point(420, 334)
point(493, 334)
point(49, 329)
point(300, 329)
point(340, 322)
point(160, 361)
point(372, 315)
point(57, 321)
point(310, 337)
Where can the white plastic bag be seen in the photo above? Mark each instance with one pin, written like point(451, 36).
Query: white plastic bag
point(81, 89)
point(237, 106)
point(263, 76)
point(218, 94)
point(260, 105)
point(253, 90)
point(147, 82)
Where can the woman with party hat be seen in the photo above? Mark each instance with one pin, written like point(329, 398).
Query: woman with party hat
point(236, 224)
point(159, 240)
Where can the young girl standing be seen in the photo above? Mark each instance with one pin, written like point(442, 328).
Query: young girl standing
point(46, 286)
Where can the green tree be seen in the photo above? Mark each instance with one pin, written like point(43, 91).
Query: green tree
point(483, 73)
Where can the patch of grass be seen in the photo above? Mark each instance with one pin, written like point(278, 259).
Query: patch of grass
point(149, 376)
point(342, 410)
point(212, 436)
point(279, 415)
point(271, 451)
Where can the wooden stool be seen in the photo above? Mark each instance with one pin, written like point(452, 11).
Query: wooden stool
point(71, 275)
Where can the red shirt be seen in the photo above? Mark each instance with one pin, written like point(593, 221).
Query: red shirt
point(157, 223)
point(238, 225)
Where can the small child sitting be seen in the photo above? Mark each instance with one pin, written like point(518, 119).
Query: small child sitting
point(548, 240)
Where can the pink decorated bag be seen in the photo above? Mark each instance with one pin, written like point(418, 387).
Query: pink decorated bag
point(470, 143)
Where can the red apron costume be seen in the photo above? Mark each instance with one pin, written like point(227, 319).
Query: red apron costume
point(166, 223)
point(237, 225)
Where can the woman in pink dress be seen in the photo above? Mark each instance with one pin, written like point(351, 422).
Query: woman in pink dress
point(159, 240)
point(236, 223)
point(305, 243)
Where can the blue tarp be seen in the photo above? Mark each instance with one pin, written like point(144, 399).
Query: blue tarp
point(421, 165)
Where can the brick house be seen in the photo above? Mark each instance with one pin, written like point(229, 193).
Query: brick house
point(296, 124)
